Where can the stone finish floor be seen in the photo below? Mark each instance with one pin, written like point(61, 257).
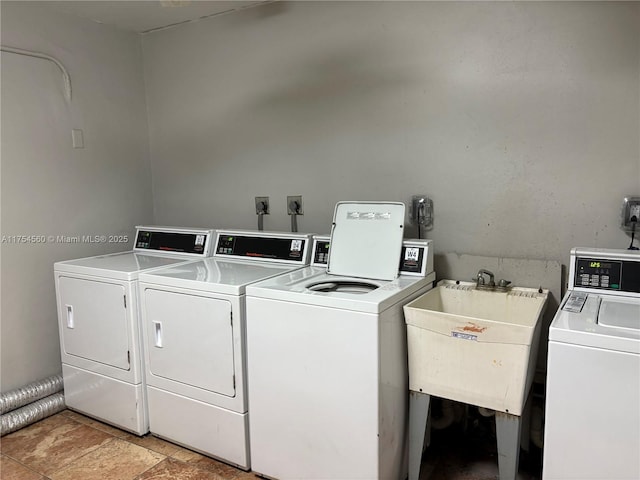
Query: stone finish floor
point(70, 446)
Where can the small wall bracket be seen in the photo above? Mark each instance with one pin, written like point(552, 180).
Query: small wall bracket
point(421, 211)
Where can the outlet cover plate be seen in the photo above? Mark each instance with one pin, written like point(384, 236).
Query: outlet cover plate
point(259, 202)
point(290, 200)
point(630, 208)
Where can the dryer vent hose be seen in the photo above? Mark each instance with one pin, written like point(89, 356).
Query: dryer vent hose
point(30, 393)
point(28, 404)
point(20, 418)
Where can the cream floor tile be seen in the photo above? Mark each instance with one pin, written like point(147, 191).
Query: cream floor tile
point(51, 444)
point(12, 470)
point(225, 471)
point(78, 417)
point(116, 460)
point(172, 469)
point(153, 443)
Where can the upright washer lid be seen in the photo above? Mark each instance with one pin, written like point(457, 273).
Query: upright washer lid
point(619, 313)
point(366, 239)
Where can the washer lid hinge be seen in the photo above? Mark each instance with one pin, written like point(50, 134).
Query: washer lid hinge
point(129, 357)
point(125, 301)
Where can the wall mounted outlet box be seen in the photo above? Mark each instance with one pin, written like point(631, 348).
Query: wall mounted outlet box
point(294, 205)
point(630, 213)
point(262, 205)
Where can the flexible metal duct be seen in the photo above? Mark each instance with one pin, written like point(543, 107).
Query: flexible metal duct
point(31, 413)
point(30, 393)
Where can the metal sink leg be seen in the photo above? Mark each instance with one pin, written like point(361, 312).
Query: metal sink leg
point(508, 436)
point(418, 415)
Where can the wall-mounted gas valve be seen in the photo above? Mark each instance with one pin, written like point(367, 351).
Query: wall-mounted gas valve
point(421, 212)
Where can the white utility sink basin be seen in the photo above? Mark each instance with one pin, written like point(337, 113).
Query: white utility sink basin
point(475, 346)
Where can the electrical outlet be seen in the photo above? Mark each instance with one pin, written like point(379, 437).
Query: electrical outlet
point(630, 209)
point(294, 205)
point(262, 205)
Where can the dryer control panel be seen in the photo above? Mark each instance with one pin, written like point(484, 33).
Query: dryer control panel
point(174, 240)
point(265, 247)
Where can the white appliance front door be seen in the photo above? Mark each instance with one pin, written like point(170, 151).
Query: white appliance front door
point(190, 340)
point(94, 321)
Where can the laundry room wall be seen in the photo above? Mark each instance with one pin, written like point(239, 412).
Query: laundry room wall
point(55, 197)
point(519, 119)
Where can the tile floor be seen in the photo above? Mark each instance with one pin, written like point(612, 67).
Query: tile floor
point(70, 446)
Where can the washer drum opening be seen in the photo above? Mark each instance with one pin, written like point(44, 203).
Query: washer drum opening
point(343, 287)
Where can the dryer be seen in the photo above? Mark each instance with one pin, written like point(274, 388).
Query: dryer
point(194, 332)
point(592, 412)
point(98, 320)
point(327, 356)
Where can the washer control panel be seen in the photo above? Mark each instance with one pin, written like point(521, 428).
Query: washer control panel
point(607, 274)
point(416, 257)
point(597, 273)
point(320, 251)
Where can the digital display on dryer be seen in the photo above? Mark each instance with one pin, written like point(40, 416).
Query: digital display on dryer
point(171, 241)
point(261, 247)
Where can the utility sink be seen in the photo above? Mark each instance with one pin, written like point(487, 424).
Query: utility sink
point(474, 345)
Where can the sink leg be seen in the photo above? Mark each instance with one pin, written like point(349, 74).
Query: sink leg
point(418, 415)
point(508, 435)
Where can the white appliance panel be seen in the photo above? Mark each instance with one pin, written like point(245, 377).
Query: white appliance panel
point(592, 417)
point(362, 231)
point(174, 321)
point(95, 329)
point(108, 399)
point(120, 266)
point(334, 398)
point(200, 426)
point(216, 275)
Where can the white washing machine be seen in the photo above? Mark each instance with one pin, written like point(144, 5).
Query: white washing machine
point(592, 414)
point(98, 320)
point(327, 357)
point(194, 331)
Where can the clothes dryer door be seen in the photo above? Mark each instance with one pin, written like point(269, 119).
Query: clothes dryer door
point(190, 340)
point(93, 321)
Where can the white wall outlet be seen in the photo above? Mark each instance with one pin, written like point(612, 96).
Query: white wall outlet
point(77, 138)
point(262, 205)
point(630, 212)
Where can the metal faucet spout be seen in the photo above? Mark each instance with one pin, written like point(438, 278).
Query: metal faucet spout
point(480, 281)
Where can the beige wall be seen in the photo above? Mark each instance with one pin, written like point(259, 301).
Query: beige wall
point(51, 189)
point(519, 119)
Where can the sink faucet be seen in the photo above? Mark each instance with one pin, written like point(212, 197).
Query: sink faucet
point(480, 279)
point(502, 285)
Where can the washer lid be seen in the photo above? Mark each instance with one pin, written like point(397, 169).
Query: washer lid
point(619, 313)
point(366, 239)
